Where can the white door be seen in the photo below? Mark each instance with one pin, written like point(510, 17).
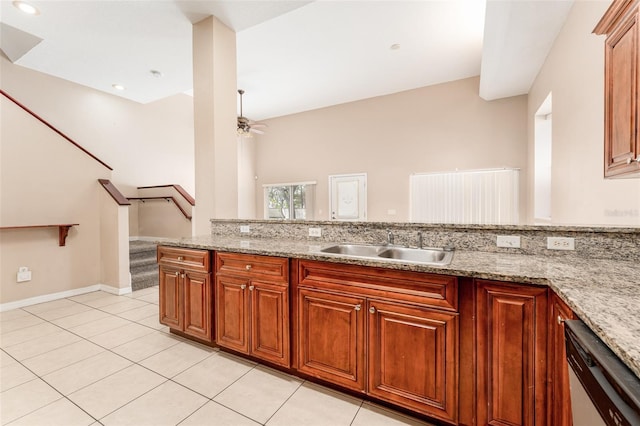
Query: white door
point(348, 197)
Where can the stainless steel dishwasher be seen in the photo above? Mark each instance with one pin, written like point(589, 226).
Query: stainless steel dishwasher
point(603, 390)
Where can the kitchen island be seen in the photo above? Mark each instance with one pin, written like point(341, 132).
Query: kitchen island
point(489, 324)
point(605, 294)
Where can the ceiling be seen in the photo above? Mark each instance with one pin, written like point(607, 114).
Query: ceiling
point(292, 56)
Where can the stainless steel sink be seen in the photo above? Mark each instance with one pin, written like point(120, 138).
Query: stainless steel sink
point(436, 256)
point(426, 256)
point(360, 250)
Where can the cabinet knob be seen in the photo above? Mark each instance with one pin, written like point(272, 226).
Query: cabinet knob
point(638, 159)
point(180, 258)
point(372, 310)
point(243, 286)
point(358, 307)
point(629, 160)
point(177, 273)
point(248, 267)
point(251, 287)
point(182, 275)
point(560, 319)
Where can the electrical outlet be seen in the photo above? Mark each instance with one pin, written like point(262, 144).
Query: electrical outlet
point(24, 274)
point(315, 232)
point(244, 229)
point(510, 241)
point(560, 243)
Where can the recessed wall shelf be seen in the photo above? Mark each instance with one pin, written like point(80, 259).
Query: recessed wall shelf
point(63, 230)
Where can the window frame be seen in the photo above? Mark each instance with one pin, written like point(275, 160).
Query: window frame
point(309, 200)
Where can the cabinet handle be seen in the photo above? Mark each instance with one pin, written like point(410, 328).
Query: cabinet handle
point(180, 258)
point(372, 310)
point(251, 287)
point(560, 319)
point(358, 307)
point(248, 267)
point(243, 286)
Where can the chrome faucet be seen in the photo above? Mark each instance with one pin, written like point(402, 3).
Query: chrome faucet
point(419, 239)
point(389, 238)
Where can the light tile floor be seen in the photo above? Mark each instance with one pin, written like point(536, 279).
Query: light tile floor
point(100, 359)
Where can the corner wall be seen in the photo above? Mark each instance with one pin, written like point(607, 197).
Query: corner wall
point(574, 73)
point(46, 180)
point(146, 144)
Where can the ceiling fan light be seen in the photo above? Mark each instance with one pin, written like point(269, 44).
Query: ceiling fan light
point(244, 132)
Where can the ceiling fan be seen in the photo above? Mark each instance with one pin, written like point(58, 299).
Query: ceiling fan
point(245, 126)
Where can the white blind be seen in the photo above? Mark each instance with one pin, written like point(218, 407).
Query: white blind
point(475, 196)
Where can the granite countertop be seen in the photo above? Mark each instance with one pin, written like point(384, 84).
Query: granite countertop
point(605, 294)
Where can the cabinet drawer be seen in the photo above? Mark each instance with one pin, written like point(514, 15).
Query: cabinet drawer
point(194, 260)
point(274, 269)
point(439, 291)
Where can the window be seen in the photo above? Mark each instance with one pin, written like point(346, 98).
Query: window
point(472, 196)
point(289, 201)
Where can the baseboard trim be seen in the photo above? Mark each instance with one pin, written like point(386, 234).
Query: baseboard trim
point(63, 294)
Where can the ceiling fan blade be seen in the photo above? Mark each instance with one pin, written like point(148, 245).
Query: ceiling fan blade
point(258, 125)
point(260, 132)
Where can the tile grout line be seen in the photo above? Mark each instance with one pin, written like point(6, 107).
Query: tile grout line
point(179, 339)
point(37, 376)
point(285, 401)
point(357, 412)
point(167, 379)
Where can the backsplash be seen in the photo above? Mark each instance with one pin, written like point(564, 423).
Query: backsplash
point(590, 242)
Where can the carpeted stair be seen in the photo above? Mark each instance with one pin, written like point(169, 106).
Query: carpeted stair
point(143, 264)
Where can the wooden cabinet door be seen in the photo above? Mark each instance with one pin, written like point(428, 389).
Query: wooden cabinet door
point(559, 396)
point(413, 359)
point(622, 74)
point(270, 322)
point(232, 309)
point(331, 337)
point(170, 304)
point(197, 304)
point(511, 354)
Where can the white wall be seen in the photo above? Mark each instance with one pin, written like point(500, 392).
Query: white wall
point(436, 128)
point(46, 180)
point(149, 144)
point(574, 73)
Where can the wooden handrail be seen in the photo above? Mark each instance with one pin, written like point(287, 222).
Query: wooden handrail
point(113, 191)
point(63, 230)
point(43, 121)
point(178, 188)
point(168, 198)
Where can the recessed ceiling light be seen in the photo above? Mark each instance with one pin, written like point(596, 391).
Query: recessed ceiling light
point(394, 46)
point(156, 73)
point(118, 86)
point(26, 7)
